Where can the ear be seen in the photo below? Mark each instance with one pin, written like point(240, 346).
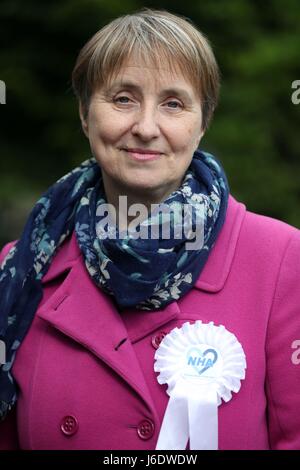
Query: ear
point(201, 134)
point(83, 119)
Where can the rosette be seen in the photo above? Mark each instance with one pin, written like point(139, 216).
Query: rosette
point(202, 364)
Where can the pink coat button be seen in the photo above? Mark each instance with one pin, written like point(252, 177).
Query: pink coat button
point(157, 339)
point(69, 425)
point(145, 429)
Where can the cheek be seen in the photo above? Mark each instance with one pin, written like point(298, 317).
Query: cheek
point(185, 133)
point(186, 138)
point(106, 128)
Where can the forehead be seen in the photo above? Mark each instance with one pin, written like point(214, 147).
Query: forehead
point(156, 72)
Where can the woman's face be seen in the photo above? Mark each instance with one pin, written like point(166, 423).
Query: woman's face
point(143, 110)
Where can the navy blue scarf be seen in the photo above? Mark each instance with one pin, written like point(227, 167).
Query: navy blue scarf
point(138, 271)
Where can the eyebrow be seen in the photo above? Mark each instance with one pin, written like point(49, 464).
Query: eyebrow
point(177, 91)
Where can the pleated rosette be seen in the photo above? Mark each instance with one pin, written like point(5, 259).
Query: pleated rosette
point(202, 364)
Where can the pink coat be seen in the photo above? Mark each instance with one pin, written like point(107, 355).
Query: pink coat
point(85, 372)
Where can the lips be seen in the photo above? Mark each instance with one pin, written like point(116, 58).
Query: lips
point(143, 151)
point(143, 155)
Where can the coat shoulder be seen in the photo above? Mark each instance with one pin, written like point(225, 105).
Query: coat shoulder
point(264, 232)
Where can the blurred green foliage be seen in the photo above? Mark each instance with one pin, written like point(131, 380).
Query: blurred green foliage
point(255, 131)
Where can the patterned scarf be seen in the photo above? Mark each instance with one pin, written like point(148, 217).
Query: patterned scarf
point(145, 268)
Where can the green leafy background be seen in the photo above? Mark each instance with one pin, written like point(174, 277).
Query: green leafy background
point(255, 131)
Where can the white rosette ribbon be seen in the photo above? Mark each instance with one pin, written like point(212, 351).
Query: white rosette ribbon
point(202, 364)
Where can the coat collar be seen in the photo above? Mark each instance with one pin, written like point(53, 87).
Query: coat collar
point(216, 269)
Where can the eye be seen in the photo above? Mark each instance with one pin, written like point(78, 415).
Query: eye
point(122, 99)
point(172, 104)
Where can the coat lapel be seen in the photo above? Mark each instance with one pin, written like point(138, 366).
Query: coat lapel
point(79, 310)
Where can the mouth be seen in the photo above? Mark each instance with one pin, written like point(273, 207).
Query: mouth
point(143, 155)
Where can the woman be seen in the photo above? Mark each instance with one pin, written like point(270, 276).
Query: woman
point(95, 316)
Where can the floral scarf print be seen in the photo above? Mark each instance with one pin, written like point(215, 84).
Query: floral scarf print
point(145, 272)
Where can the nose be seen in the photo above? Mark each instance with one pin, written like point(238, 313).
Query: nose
point(146, 125)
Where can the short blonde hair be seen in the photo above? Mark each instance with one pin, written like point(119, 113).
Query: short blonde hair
point(157, 36)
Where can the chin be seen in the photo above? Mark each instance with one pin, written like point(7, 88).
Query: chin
point(144, 186)
point(144, 181)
